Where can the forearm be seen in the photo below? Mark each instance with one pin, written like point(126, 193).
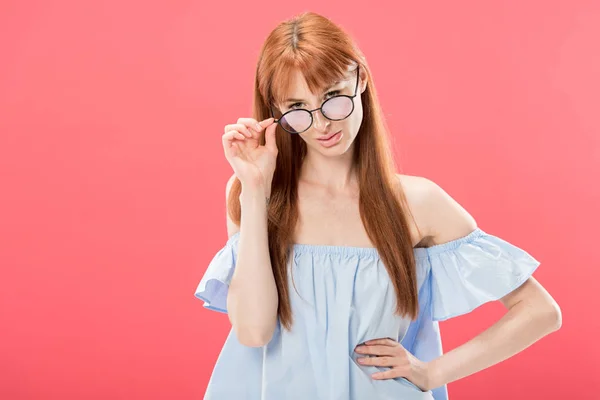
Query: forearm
point(520, 327)
point(252, 298)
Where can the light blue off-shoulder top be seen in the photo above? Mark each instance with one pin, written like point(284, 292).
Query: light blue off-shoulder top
point(341, 297)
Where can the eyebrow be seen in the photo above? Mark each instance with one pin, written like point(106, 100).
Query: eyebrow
point(287, 101)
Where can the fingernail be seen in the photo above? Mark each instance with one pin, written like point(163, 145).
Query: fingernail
point(258, 127)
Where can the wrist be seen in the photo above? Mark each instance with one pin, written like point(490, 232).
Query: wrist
point(433, 378)
point(257, 192)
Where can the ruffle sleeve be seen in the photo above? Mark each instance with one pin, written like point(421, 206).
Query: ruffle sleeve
point(214, 285)
point(475, 269)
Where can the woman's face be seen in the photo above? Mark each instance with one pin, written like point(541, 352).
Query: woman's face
point(344, 131)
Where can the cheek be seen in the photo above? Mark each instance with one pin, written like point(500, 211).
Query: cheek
point(352, 123)
point(305, 136)
point(355, 120)
point(358, 113)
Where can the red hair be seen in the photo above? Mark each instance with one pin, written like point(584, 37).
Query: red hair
point(323, 51)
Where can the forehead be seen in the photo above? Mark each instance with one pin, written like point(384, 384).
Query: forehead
point(299, 85)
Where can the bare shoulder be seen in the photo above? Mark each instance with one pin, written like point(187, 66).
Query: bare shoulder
point(414, 188)
point(440, 217)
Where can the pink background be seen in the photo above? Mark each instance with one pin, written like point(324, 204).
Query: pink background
point(113, 176)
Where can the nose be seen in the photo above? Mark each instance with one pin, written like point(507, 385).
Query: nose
point(320, 122)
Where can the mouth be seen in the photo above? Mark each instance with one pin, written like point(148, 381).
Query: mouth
point(328, 136)
point(331, 140)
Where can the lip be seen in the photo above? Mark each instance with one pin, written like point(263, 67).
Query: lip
point(333, 140)
point(328, 136)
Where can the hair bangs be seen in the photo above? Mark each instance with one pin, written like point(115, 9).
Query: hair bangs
point(318, 74)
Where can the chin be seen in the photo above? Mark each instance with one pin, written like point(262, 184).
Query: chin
point(339, 149)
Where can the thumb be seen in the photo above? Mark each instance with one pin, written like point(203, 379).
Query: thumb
point(270, 142)
point(266, 122)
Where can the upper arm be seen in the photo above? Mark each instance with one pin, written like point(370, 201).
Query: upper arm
point(447, 220)
point(527, 291)
point(533, 293)
point(232, 227)
point(444, 218)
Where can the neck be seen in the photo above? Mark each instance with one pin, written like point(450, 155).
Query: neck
point(336, 173)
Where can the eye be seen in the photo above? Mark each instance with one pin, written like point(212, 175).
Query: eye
point(328, 95)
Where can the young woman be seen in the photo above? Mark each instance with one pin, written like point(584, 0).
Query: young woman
point(338, 269)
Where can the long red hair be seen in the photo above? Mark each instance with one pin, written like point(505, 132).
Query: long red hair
point(323, 51)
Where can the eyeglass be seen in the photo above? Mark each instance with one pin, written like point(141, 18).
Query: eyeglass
point(335, 108)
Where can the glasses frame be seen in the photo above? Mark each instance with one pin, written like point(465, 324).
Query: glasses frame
point(310, 112)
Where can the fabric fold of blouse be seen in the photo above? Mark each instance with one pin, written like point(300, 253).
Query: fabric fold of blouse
point(214, 285)
point(344, 298)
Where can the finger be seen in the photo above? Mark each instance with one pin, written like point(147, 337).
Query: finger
point(240, 128)
point(389, 374)
point(378, 361)
point(265, 123)
point(377, 350)
point(258, 127)
point(234, 150)
point(250, 123)
point(237, 150)
point(232, 135)
point(270, 141)
point(235, 134)
point(382, 341)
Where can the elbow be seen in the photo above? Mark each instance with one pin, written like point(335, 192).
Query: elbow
point(250, 340)
point(553, 316)
point(252, 328)
point(556, 317)
point(254, 337)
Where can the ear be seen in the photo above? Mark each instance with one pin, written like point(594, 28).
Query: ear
point(363, 80)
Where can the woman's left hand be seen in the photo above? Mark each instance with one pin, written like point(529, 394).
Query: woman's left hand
point(390, 353)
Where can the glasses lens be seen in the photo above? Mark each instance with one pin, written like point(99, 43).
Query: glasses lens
point(296, 121)
point(337, 108)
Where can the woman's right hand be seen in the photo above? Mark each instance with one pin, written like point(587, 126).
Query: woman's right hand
point(252, 163)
